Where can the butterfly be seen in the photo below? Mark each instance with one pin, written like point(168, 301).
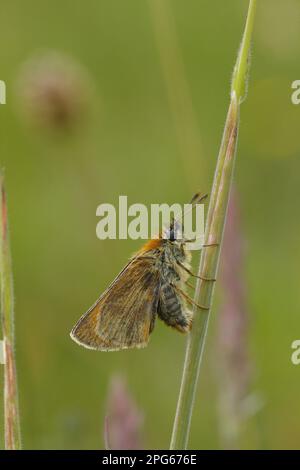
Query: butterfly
point(151, 285)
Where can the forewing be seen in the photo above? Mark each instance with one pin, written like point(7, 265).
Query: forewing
point(124, 315)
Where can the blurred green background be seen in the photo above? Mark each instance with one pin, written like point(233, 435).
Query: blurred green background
point(136, 137)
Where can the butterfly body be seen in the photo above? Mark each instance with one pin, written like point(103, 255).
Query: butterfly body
point(172, 308)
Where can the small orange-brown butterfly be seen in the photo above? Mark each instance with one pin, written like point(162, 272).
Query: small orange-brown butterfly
point(151, 284)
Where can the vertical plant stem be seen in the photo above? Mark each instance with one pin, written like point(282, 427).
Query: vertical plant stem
point(209, 261)
point(11, 408)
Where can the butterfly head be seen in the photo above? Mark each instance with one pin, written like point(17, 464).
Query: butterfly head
point(174, 233)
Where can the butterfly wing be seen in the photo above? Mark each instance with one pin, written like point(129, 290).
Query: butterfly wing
point(124, 316)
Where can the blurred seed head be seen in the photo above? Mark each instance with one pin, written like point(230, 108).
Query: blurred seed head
point(233, 327)
point(124, 420)
point(235, 371)
point(53, 91)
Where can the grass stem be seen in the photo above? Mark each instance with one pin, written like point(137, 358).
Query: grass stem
point(11, 408)
point(209, 260)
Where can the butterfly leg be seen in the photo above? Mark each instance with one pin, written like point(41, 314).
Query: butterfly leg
point(189, 284)
point(189, 300)
point(193, 240)
point(193, 274)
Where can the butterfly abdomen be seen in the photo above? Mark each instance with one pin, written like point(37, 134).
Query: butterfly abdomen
point(172, 310)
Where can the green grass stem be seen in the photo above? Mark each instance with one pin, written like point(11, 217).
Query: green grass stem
point(209, 260)
point(11, 408)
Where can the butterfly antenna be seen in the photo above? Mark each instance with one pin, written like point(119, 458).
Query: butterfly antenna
point(196, 199)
